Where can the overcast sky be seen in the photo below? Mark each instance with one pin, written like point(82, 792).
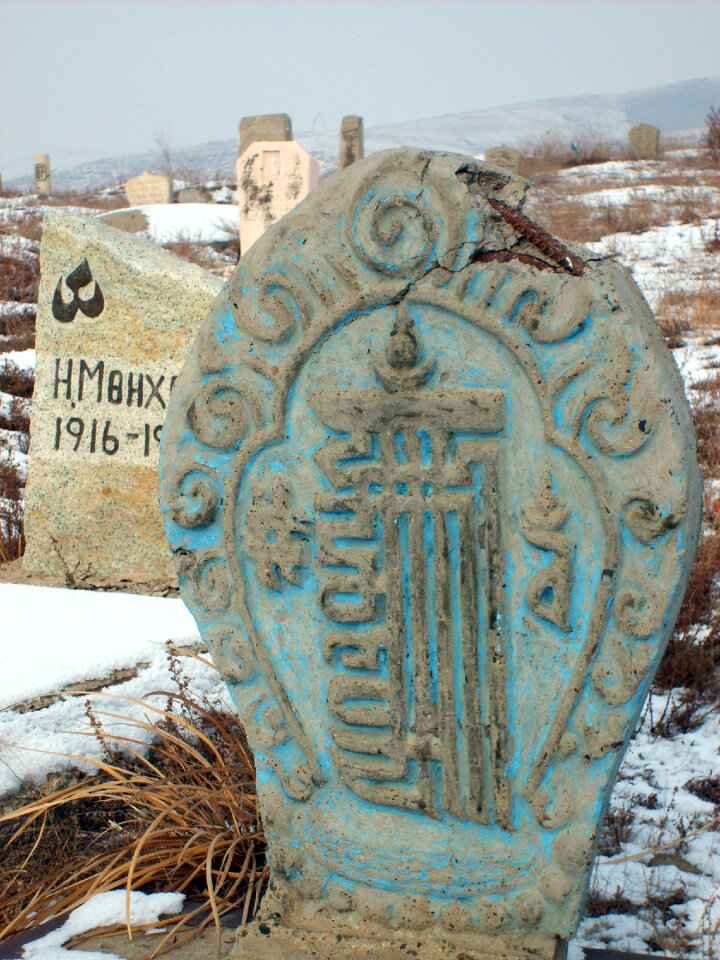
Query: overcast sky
point(84, 80)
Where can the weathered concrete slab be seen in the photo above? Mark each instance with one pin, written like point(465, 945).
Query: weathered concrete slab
point(116, 317)
point(43, 183)
point(644, 140)
point(272, 178)
point(148, 188)
point(352, 147)
point(506, 157)
point(130, 221)
point(266, 126)
point(430, 483)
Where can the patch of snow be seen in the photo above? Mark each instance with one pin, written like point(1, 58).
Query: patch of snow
point(52, 637)
point(13, 308)
point(622, 196)
point(671, 257)
point(22, 359)
point(102, 910)
point(193, 222)
point(15, 458)
point(9, 402)
point(13, 245)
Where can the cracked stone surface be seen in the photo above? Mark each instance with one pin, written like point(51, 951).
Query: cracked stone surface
point(429, 481)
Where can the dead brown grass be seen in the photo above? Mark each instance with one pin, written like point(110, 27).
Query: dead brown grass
point(19, 279)
point(183, 817)
point(680, 311)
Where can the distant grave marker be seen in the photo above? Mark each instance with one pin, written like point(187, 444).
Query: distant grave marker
point(194, 195)
point(429, 479)
point(148, 188)
point(268, 126)
point(42, 175)
point(506, 157)
point(644, 141)
point(351, 141)
point(116, 317)
point(272, 178)
point(131, 221)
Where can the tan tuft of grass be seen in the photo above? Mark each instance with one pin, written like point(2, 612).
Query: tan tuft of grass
point(183, 817)
point(682, 311)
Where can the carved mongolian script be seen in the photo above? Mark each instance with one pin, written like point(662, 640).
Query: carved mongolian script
point(414, 481)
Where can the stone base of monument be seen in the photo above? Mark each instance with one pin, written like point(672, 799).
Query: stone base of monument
point(271, 940)
point(345, 936)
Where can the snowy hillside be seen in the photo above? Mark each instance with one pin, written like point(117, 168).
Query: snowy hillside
point(675, 109)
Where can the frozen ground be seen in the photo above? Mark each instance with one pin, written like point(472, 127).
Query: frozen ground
point(190, 222)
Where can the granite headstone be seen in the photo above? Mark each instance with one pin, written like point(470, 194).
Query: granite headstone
point(116, 317)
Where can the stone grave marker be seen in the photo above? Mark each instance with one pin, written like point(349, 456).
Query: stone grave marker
point(273, 177)
point(131, 221)
point(429, 479)
point(506, 157)
point(116, 317)
point(351, 141)
point(42, 175)
point(644, 140)
point(148, 188)
point(194, 195)
point(268, 126)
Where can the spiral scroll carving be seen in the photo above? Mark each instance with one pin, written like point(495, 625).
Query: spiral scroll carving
point(231, 651)
point(394, 232)
point(633, 613)
point(197, 501)
point(207, 576)
point(221, 415)
point(613, 431)
point(551, 310)
point(646, 521)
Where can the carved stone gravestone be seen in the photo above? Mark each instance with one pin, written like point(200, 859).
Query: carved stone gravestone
point(268, 126)
point(42, 175)
point(430, 483)
point(116, 317)
point(506, 157)
point(644, 140)
point(148, 188)
point(351, 141)
point(272, 177)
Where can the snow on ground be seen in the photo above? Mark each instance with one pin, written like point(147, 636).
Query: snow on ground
point(52, 638)
point(622, 171)
point(671, 257)
point(653, 783)
point(23, 359)
point(102, 910)
point(193, 222)
point(13, 456)
point(655, 192)
point(9, 402)
point(13, 308)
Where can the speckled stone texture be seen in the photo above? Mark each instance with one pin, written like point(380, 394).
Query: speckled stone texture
point(107, 352)
point(430, 483)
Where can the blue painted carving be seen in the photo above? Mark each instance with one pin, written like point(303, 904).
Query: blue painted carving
point(429, 478)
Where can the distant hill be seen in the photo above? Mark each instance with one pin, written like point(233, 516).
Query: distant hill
point(679, 108)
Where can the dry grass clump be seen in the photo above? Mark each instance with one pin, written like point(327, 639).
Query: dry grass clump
point(16, 380)
point(19, 279)
point(184, 817)
point(680, 311)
